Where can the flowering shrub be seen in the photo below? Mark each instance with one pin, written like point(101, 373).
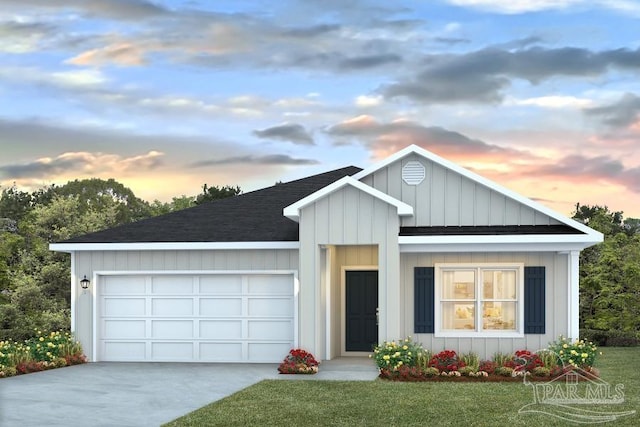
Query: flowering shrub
point(393, 356)
point(446, 361)
point(487, 366)
point(579, 353)
point(298, 361)
point(44, 351)
point(524, 361)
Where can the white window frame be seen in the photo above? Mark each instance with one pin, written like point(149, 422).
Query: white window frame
point(479, 267)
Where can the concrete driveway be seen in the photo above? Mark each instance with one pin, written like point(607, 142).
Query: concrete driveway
point(121, 394)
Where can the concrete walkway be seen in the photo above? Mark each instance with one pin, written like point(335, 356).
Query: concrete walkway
point(141, 394)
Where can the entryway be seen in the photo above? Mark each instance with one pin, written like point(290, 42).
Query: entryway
point(361, 305)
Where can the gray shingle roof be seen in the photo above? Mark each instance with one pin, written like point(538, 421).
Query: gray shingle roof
point(251, 217)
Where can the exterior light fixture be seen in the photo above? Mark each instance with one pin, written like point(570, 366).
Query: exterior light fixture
point(84, 282)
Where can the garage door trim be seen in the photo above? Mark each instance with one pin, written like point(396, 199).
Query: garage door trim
point(97, 295)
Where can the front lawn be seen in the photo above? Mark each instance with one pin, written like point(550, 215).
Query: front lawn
point(336, 403)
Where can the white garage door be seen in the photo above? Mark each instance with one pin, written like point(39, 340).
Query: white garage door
point(195, 318)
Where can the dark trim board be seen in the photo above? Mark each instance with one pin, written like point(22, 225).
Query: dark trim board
point(487, 230)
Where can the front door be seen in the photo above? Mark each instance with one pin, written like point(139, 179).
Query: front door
point(361, 300)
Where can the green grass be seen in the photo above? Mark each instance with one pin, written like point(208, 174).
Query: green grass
point(382, 403)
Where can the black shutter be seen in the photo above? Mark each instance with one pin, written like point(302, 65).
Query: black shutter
point(534, 301)
point(423, 309)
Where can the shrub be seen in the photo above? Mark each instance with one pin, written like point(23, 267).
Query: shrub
point(44, 351)
point(467, 371)
point(525, 361)
point(298, 361)
point(392, 355)
point(578, 353)
point(504, 371)
point(596, 336)
point(446, 361)
point(487, 366)
point(548, 358)
point(502, 359)
point(423, 358)
point(622, 339)
point(470, 359)
point(541, 371)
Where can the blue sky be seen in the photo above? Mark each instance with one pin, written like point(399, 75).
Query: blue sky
point(542, 96)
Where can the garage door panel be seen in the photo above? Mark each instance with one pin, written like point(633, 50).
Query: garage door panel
point(221, 352)
point(268, 285)
point(124, 307)
point(123, 285)
point(220, 329)
point(270, 306)
point(221, 307)
point(270, 330)
point(172, 351)
point(172, 285)
point(124, 350)
point(195, 317)
point(172, 306)
point(221, 285)
point(172, 329)
point(121, 329)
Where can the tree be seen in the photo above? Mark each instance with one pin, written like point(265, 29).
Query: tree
point(610, 272)
point(214, 193)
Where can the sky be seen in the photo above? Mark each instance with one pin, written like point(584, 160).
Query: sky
point(541, 96)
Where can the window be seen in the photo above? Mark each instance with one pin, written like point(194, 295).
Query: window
point(479, 300)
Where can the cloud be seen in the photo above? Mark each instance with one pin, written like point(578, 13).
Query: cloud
point(365, 101)
point(386, 138)
point(273, 159)
point(290, 132)
point(553, 102)
point(525, 6)
point(621, 113)
point(481, 76)
point(126, 10)
point(125, 54)
point(24, 37)
point(85, 162)
point(581, 169)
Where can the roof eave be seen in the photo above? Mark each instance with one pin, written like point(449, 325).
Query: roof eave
point(166, 246)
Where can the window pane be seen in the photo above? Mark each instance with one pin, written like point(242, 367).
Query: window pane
point(499, 316)
point(499, 284)
point(456, 316)
point(459, 284)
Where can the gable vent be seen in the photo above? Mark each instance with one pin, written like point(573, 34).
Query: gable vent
point(413, 173)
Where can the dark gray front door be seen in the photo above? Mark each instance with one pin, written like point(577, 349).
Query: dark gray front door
point(361, 310)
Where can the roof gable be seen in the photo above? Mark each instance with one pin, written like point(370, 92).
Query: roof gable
point(293, 211)
point(413, 151)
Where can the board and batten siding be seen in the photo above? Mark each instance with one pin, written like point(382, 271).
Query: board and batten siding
point(556, 299)
point(347, 216)
point(446, 198)
point(86, 263)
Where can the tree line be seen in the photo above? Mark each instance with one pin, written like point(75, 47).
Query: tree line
point(34, 281)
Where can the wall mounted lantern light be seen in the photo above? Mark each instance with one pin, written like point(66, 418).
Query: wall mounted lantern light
point(84, 282)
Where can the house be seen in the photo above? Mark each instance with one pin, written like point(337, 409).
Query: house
point(412, 246)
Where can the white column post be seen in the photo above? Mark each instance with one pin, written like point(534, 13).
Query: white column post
point(573, 312)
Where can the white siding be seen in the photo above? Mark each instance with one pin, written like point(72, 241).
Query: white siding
point(556, 301)
point(446, 198)
point(346, 217)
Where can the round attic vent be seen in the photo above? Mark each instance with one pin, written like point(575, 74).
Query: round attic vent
point(413, 173)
